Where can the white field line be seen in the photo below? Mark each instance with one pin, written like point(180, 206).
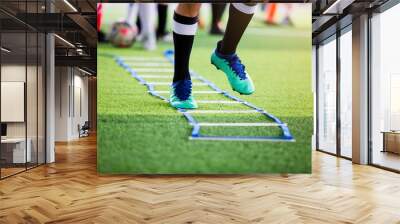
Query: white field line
point(160, 83)
point(157, 76)
point(221, 111)
point(240, 124)
point(195, 92)
point(156, 65)
point(169, 83)
point(218, 101)
point(162, 70)
point(154, 74)
point(131, 61)
point(238, 138)
point(145, 59)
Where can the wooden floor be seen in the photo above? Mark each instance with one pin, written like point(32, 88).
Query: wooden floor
point(70, 191)
point(387, 159)
point(5, 172)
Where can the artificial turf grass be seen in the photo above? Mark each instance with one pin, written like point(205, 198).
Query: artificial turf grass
point(149, 151)
point(142, 134)
point(228, 118)
point(239, 131)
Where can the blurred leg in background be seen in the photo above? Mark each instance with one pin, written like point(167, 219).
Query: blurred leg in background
point(130, 14)
point(162, 33)
point(130, 17)
point(101, 36)
point(270, 13)
point(147, 14)
point(217, 11)
point(288, 12)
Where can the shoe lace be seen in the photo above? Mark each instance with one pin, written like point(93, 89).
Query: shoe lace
point(183, 89)
point(238, 67)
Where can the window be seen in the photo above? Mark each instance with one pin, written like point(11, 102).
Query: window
point(22, 78)
point(346, 93)
point(327, 96)
point(385, 89)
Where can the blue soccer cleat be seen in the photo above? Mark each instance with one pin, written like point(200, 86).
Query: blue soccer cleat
point(181, 95)
point(235, 72)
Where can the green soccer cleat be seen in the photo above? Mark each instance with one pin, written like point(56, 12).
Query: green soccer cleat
point(235, 72)
point(181, 95)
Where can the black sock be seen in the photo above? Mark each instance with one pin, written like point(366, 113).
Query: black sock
point(184, 31)
point(220, 54)
point(162, 19)
point(240, 15)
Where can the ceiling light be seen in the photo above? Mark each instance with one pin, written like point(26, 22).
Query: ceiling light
point(64, 40)
point(70, 5)
point(84, 71)
point(79, 51)
point(5, 50)
point(338, 6)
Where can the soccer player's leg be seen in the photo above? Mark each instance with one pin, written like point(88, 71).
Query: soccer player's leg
point(184, 30)
point(147, 14)
point(217, 11)
point(161, 32)
point(225, 58)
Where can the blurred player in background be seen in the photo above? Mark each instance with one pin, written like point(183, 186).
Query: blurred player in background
point(147, 14)
point(270, 14)
point(217, 11)
point(100, 35)
point(288, 11)
point(162, 33)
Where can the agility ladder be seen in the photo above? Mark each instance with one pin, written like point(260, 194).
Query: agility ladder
point(158, 67)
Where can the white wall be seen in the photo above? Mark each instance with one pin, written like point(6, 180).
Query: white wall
point(33, 126)
point(12, 73)
point(81, 83)
point(13, 101)
point(62, 82)
point(70, 84)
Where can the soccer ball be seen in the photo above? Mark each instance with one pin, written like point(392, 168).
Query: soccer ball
point(122, 34)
